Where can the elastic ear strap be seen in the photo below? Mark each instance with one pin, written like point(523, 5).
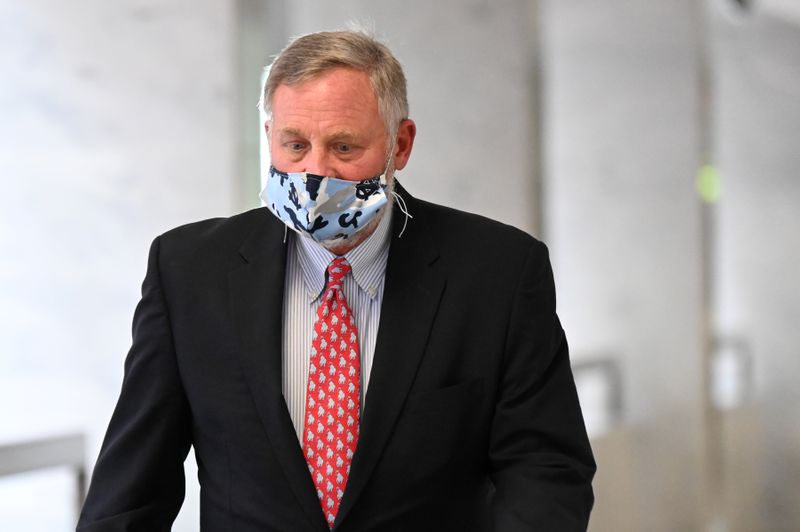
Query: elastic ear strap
point(401, 203)
point(389, 157)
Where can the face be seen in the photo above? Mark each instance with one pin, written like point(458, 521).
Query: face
point(331, 126)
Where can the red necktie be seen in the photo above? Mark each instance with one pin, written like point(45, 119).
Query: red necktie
point(333, 395)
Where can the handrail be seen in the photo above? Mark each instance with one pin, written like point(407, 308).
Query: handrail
point(66, 450)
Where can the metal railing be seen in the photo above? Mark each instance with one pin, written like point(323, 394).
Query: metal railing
point(59, 451)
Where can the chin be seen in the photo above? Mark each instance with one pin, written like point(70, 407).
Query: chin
point(340, 247)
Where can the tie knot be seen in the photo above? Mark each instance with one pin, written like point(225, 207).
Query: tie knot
point(337, 270)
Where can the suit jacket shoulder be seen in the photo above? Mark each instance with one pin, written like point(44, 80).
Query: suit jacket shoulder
point(214, 238)
point(475, 247)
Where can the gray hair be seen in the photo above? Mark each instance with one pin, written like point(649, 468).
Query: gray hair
point(309, 56)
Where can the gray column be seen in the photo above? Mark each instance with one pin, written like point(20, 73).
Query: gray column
point(621, 101)
point(758, 286)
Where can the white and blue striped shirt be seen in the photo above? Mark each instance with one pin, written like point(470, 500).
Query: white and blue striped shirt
point(306, 262)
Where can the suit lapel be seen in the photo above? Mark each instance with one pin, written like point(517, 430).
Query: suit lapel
point(411, 297)
point(256, 290)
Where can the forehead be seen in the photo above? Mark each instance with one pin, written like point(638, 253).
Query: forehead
point(339, 98)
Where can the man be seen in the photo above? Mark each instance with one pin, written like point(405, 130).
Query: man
point(348, 357)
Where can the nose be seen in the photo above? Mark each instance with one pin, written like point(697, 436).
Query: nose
point(318, 162)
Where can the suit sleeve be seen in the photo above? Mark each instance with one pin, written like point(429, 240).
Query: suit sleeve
point(540, 458)
point(138, 481)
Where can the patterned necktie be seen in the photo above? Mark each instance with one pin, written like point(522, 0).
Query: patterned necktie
point(333, 394)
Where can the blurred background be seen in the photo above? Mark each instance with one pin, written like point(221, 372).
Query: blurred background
point(654, 145)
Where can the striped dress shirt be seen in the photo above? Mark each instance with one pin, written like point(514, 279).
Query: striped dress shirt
point(306, 262)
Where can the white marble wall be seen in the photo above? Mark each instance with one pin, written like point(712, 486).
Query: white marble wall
point(117, 124)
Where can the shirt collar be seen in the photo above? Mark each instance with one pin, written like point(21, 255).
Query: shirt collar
point(367, 260)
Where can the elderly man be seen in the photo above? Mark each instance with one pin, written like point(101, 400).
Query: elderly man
point(348, 357)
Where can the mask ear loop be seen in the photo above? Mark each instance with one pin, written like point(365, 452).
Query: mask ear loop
point(401, 203)
point(389, 159)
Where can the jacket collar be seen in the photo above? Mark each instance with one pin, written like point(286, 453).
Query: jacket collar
point(256, 298)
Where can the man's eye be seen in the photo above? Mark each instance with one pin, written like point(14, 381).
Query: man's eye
point(295, 146)
point(344, 148)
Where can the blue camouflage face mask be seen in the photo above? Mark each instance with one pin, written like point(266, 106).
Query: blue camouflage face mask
point(327, 209)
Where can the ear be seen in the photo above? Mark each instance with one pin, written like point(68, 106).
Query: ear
point(404, 143)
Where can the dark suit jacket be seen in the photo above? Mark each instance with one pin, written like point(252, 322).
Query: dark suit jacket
point(471, 419)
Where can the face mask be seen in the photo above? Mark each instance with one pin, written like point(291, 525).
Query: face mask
point(325, 208)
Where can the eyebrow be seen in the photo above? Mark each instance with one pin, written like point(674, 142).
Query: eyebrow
point(339, 136)
point(290, 132)
point(344, 135)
